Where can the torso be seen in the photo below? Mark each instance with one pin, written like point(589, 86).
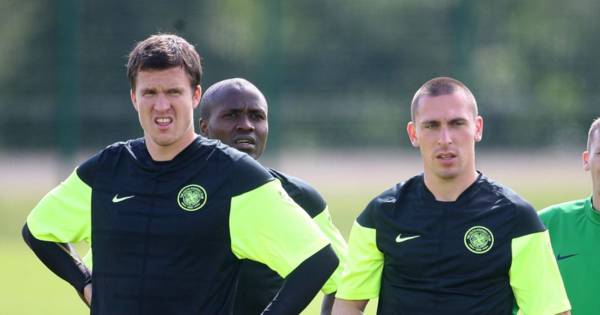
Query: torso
point(160, 230)
point(574, 229)
point(445, 257)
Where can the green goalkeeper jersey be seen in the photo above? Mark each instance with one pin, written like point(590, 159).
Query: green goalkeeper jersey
point(574, 228)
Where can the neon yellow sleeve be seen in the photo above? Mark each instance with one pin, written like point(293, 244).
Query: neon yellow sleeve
point(64, 214)
point(362, 275)
point(323, 220)
point(266, 225)
point(535, 278)
point(87, 260)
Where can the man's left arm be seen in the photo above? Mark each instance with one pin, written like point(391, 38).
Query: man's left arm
point(340, 247)
point(283, 237)
point(301, 284)
point(327, 303)
point(535, 277)
point(311, 201)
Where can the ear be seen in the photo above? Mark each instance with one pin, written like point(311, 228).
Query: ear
point(478, 128)
point(133, 99)
point(203, 127)
point(585, 157)
point(196, 96)
point(412, 134)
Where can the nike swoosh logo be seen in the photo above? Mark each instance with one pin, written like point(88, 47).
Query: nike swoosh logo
point(117, 199)
point(559, 257)
point(400, 239)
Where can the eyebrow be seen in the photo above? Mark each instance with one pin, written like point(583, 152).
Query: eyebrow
point(437, 121)
point(148, 90)
point(429, 122)
point(253, 110)
point(458, 119)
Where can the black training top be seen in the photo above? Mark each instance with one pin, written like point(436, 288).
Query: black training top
point(168, 237)
point(470, 256)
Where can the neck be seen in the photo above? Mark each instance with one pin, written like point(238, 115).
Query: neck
point(449, 189)
point(160, 153)
point(596, 200)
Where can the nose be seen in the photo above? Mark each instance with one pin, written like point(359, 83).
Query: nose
point(245, 123)
point(162, 103)
point(445, 137)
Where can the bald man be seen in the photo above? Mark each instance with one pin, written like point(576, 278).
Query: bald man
point(236, 112)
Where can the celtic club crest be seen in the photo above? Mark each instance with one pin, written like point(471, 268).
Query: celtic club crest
point(479, 239)
point(191, 197)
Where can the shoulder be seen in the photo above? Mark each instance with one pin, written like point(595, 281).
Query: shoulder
point(244, 173)
point(563, 211)
point(525, 218)
point(89, 168)
point(305, 195)
point(387, 200)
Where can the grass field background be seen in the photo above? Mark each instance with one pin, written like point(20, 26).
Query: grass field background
point(347, 180)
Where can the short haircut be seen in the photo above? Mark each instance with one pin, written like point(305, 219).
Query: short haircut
point(211, 95)
point(441, 86)
point(164, 51)
point(594, 128)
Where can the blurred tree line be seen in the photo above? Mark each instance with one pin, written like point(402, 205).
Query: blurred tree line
point(337, 74)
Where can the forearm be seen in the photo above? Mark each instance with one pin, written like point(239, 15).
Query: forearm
point(303, 283)
point(349, 307)
point(61, 259)
point(327, 303)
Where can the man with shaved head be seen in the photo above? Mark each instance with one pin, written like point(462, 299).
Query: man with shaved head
point(236, 112)
point(574, 228)
point(450, 240)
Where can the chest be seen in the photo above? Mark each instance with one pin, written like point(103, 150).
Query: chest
point(183, 205)
point(575, 242)
point(433, 242)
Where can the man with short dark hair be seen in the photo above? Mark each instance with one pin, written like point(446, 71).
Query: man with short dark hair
point(449, 241)
point(574, 229)
point(167, 214)
point(236, 112)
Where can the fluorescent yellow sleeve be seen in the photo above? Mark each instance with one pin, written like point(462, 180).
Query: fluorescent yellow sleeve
point(323, 220)
point(535, 278)
point(267, 226)
point(361, 279)
point(64, 214)
point(87, 259)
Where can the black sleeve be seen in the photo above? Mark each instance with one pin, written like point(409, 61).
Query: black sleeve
point(327, 304)
point(301, 286)
point(61, 259)
point(302, 193)
point(247, 174)
point(88, 169)
point(527, 221)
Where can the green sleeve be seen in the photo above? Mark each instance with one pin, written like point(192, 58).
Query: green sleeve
point(362, 275)
point(323, 220)
point(534, 276)
point(267, 226)
point(64, 214)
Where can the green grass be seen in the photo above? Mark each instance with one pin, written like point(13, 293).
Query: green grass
point(27, 287)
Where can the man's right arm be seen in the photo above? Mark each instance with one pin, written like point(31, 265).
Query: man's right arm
point(361, 280)
point(63, 261)
point(63, 216)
